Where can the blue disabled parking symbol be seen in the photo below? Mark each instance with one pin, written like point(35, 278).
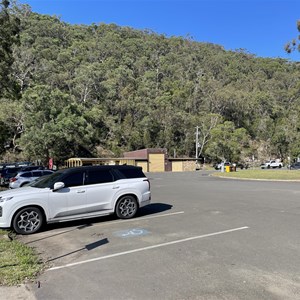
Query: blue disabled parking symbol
point(131, 232)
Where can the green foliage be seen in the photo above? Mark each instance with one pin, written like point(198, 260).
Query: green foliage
point(4, 137)
point(18, 261)
point(55, 125)
point(227, 142)
point(120, 89)
point(12, 118)
point(9, 30)
point(294, 44)
point(262, 174)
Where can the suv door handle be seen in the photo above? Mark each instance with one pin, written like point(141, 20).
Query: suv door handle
point(80, 191)
point(116, 187)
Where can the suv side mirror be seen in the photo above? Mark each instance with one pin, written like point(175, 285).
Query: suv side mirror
point(58, 186)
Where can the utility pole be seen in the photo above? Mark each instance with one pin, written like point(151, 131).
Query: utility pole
point(197, 142)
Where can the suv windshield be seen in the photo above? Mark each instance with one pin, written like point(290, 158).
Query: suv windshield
point(46, 181)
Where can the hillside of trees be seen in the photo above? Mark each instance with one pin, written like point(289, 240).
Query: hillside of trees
point(99, 90)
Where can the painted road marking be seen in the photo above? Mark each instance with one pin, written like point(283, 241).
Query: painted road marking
point(148, 248)
point(159, 216)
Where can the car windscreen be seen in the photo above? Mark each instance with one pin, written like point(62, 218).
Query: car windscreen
point(46, 181)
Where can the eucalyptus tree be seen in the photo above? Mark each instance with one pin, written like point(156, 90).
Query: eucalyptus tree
point(206, 123)
point(294, 44)
point(9, 89)
point(9, 31)
point(228, 143)
point(55, 125)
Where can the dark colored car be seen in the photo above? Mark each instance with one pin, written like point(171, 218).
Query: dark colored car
point(242, 166)
point(6, 174)
point(295, 166)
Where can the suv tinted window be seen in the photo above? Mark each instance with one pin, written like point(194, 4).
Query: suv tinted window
point(27, 174)
point(99, 176)
point(37, 173)
point(73, 179)
point(48, 181)
point(132, 173)
point(30, 168)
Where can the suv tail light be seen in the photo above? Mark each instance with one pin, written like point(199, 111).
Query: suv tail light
point(148, 182)
point(13, 179)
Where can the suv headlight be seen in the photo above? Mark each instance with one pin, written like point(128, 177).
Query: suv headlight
point(4, 199)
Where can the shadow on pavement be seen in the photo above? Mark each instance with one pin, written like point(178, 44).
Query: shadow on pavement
point(88, 247)
point(150, 209)
point(153, 208)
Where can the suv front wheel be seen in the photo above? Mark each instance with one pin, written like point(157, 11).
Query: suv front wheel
point(28, 220)
point(126, 207)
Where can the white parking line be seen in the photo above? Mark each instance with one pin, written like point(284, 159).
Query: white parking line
point(164, 215)
point(138, 219)
point(151, 217)
point(148, 248)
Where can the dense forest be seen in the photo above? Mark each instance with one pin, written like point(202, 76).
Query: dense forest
point(98, 90)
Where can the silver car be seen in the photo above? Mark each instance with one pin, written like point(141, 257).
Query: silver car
point(24, 177)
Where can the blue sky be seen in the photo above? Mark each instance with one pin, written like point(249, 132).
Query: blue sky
point(261, 27)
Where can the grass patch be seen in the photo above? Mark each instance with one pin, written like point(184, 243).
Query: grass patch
point(18, 262)
point(262, 174)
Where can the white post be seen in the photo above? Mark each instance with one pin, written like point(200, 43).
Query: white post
point(197, 142)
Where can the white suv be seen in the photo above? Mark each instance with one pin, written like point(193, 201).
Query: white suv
point(75, 193)
point(272, 164)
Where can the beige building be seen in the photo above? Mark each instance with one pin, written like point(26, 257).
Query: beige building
point(151, 160)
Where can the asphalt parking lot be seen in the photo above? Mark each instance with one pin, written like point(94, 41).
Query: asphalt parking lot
point(201, 238)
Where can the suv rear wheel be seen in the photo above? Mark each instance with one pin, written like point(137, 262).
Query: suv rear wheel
point(126, 207)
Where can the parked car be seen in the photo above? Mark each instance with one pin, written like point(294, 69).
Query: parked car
point(24, 177)
point(295, 166)
point(234, 165)
point(75, 193)
point(6, 174)
point(271, 164)
point(15, 164)
point(219, 165)
point(242, 166)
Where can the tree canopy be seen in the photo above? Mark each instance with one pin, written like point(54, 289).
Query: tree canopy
point(103, 89)
point(295, 43)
